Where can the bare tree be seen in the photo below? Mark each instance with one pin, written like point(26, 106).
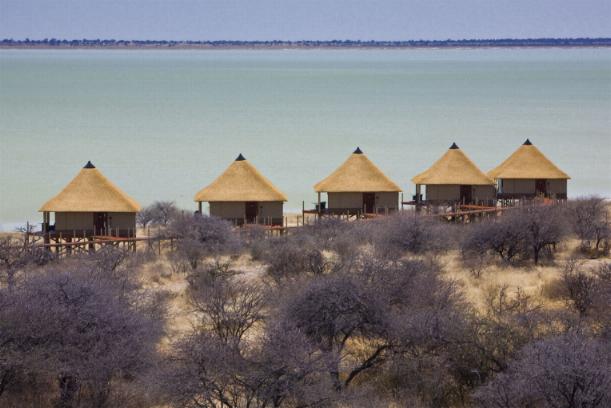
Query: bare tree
point(284, 370)
point(146, 216)
point(504, 237)
point(590, 221)
point(164, 212)
point(580, 287)
point(228, 308)
point(16, 253)
point(476, 248)
point(524, 233)
point(566, 371)
point(79, 329)
point(199, 237)
point(331, 311)
point(544, 228)
point(396, 235)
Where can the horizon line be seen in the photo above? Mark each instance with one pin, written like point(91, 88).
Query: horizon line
point(308, 40)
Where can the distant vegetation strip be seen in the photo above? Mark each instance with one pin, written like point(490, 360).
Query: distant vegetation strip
point(112, 43)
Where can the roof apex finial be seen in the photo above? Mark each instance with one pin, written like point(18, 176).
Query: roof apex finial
point(527, 142)
point(89, 165)
point(454, 146)
point(358, 150)
point(240, 158)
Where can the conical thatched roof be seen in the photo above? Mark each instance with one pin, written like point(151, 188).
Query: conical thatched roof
point(91, 191)
point(454, 167)
point(527, 163)
point(240, 182)
point(357, 174)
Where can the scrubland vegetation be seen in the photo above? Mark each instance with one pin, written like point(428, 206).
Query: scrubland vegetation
point(401, 311)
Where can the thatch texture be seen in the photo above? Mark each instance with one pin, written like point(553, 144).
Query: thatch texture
point(241, 181)
point(91, 191)
point(527, 163)
point(357, 174)
point(454, 167)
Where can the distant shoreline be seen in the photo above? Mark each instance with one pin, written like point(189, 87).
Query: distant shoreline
point(281, 45)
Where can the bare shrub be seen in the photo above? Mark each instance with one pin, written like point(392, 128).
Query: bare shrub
point(491, 340)
point(476, 248)
point(502, 237)
point(388, 314)
point(396, 235)
point(525, 233)
point(282, 371)
point(580, 287)
point(544, 228)
point(164, 212)
point(146, 216)
point(333, 310)
point(289, 257)
point(228, 308)
point(590, 222)
point(564, 371)
point(601, 310)
point(16, 254)
point(79, 331)
point(199, 237)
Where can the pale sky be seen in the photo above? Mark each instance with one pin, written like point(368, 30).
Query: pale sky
point(303, 19)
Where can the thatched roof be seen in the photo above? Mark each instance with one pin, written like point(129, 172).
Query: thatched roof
point(91, 191)
point(527, 163)
point(357, 174)
point(454, 167)
point(241, 181)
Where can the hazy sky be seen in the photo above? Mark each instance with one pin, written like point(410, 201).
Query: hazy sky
point(303, 19)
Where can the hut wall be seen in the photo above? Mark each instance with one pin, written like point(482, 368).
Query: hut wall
point(230, 210)
point(557, 187)
point(388, 200)
point(345, 200)
point(518, 186)
point(68, 221)
point(271, 209)
point(124, 221)
point(442, 192)
point(484, 193)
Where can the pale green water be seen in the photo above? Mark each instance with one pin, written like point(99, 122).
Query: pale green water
point(162, 124)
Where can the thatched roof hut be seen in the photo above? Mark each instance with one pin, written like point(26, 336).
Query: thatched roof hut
point(454, 177)
point(527, 173)
point(242, 194)
point(91, 191)
point(357, 174)
point(527, 162)
point(241, 181)
point(454, 167)
point(91, 204)
point(359, 185)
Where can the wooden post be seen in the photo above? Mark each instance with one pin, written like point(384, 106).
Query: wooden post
point(319, 209)
point(199, 207)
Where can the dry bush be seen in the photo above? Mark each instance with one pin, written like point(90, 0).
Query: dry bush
point(565, 371)
point(228, 309)
point(590, 221)
point(521, 234)
point(78, 330)
point(199, 237)
point(396, 235)
point(16, 254)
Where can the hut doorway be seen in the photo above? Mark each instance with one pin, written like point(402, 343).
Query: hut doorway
point(466, 196)
point(252, 210)
point(540, 187)
point(369, 202)
point(100, 220)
